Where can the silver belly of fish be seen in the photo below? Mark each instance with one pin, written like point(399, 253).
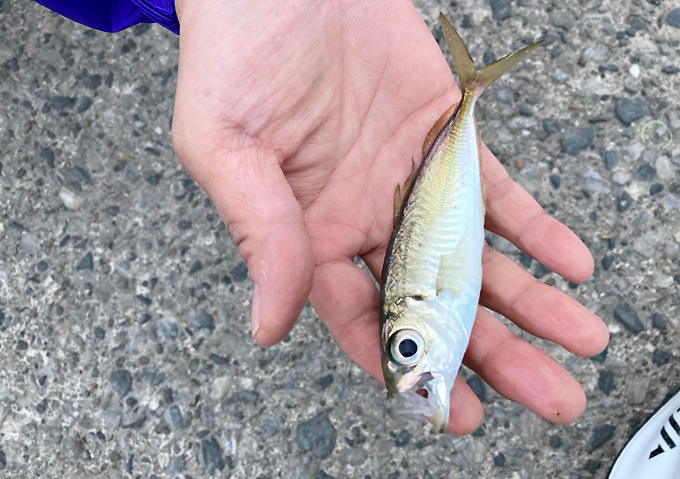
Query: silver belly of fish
point(432, 283)
point(432, 274)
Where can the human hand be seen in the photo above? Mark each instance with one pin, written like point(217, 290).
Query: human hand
point(298, 119)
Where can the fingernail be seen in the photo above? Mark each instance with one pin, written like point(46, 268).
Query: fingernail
point(255, 311)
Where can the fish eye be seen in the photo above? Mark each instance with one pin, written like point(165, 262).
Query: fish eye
point(407, 346)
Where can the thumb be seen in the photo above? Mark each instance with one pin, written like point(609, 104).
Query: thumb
point(255, 200)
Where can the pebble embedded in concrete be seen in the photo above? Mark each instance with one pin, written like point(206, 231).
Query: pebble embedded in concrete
point(126, 305)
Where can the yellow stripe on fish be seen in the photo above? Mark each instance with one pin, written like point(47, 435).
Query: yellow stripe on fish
point(432, 273)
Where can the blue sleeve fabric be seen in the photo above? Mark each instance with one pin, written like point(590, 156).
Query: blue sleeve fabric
point(116, 15)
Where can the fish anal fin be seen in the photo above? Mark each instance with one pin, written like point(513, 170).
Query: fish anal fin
point(436, 128)
point(482, 190)
point(451, 275)
point(483, 194)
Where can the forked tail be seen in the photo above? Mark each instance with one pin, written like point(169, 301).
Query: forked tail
point(477, 81)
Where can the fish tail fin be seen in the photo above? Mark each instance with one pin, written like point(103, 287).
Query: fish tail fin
point(470, 79)
point(465, 66)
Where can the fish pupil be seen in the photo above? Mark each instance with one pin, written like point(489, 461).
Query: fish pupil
point(408, 348)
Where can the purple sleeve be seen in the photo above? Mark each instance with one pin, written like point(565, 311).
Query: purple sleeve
point(116, 15)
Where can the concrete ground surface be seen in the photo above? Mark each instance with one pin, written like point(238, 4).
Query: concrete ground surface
point(124, 306)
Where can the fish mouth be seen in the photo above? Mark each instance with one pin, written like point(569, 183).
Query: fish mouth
point(425, 398)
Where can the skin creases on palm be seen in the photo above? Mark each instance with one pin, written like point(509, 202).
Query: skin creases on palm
point(299, 127)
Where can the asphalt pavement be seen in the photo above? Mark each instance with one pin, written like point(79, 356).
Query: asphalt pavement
point(124, 306)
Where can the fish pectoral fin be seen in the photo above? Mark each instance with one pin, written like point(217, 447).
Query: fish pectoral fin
point(452, 272)
point(436, 128)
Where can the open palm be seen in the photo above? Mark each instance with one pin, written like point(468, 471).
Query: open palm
point(299, 118)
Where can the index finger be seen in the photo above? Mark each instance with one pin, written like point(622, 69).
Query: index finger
point(514, 214)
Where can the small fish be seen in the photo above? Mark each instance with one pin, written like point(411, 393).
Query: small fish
point(432, 273)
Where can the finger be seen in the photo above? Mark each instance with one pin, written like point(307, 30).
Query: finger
point(466, 412)
point(514, 214)
point(522, 372)
point(254, 199)
point(538, 308)
point(542, 311)
point(348, 301)
point(374, 260)
point(532, 305)
point(531, 377)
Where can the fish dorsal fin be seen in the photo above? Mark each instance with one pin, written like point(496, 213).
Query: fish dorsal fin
point(411, 177)
point(482, 190)
point(470, 80)
point(451, 275)
point(483, 194)
point(436, 128)
point(401, 192)
point(397, 204)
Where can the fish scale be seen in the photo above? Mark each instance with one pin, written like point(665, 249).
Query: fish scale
point(442, 234)
point(432, 273)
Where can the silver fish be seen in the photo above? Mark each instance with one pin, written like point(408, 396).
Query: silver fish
point(432, 273)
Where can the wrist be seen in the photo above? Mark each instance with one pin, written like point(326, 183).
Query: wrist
point(179, 8)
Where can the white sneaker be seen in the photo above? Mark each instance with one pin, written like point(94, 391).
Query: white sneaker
point(654, 451)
